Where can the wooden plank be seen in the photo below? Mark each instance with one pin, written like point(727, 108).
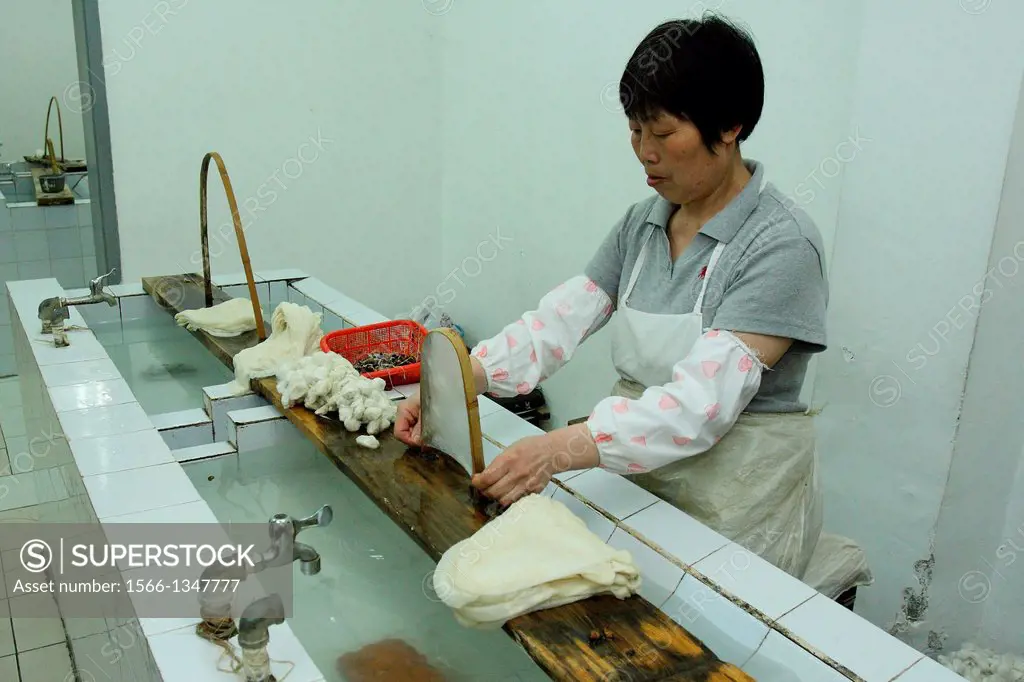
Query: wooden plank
point(65, 196)
point(601, 639)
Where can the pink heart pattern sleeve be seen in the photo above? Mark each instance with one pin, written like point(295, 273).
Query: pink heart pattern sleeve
point(536, 346)
point(710, 387)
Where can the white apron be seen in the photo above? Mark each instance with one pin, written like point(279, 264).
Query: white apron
point(758, 486)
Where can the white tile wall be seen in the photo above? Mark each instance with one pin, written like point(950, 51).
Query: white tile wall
point(780, 659)
point(615, 495)
point(137, 490)
point(732, 633)
point(743, 574)
point(674, 533)
point(104, 421)
point(599, 524)
point(660, 577)
point(120, 452)
point(826, 626)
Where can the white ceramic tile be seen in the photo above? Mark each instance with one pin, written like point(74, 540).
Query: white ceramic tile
point(219, 409)
point(354, 311)
point(94, 394)
point(599, 524)
point(234, 279)
point(298, 298)
point(839, 634)
point(741, 573)
point(127, 289)
point(660, 577)
point(10, 392)
point(332, 322)
point(6, 634)
point(675, 533)
point(30, 454)
point(104, 421)
point(506, 428)
point(191, 512)
point(281, 274)
point(223, 391)
point(181, 655)
point(780, 659)
point(925, 670)
point(40, 625)
point(550, 489)
point(152, 627)
point(279, 432)
point(252, 415)
point(188, 436)
point(8, 664)
point(80, 372)
point(32, 488)
point(49, 664)
point(136, 490)
point(486, 406)
point(195, 452)
point(173, 420)
point(317, 290)
point(84, 346)
point(614, 494)
point(729, 631)
point(393, 395)
point(491, 451)
point(124, 451)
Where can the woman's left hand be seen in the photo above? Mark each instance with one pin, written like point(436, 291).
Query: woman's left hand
point(527, 466)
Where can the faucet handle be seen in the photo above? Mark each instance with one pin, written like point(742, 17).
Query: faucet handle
point(323, 516)
point(96, 285)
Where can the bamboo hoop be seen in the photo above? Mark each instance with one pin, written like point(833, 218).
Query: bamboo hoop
point(60, 125)
point(239, 236)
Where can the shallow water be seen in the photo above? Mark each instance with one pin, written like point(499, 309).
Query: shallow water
point(165, 366)
point(374, 580)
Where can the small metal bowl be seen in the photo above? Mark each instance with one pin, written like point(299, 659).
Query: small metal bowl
point(53, 183)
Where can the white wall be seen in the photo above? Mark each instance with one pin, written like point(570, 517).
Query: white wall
point(478, 155)
point(37, 61)
point(261, 86)
point(978, 590)
point(535, 143)
point(914, 236)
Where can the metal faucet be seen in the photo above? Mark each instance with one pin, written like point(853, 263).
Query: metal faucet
point(283, 526)
point(53, 311)
point(215, 606)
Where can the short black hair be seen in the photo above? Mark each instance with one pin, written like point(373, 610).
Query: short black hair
point(706, 71)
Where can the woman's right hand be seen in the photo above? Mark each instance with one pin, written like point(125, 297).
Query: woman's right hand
point(407, 421)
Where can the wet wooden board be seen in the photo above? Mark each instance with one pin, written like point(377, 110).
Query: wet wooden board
point(601, 639)
point(65, 196)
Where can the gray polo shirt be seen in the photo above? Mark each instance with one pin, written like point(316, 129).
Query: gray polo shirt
point(770, 279)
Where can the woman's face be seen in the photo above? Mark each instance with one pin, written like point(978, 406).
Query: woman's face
point(676, 162)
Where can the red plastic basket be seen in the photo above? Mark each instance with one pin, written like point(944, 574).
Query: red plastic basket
point(395, 336)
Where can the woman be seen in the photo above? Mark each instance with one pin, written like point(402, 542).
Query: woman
point(716, 290)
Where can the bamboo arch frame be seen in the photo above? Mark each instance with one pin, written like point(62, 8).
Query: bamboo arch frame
point(239, 235)
point(60, 125)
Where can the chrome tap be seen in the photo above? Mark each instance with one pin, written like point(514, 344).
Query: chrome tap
point(53, 311)
point(284, 529)
point(215, 606)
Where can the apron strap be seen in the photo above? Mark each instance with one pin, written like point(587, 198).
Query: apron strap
point(638, 265)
